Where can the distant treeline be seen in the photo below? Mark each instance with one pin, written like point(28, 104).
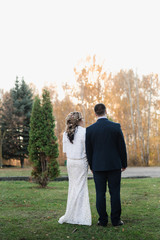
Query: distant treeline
point(131, 100)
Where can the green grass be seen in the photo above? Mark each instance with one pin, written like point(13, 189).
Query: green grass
point(31, 213)
point(25, 172)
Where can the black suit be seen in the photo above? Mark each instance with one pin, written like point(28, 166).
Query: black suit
point(106, 154)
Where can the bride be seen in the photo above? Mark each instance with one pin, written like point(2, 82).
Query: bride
point(78, 207)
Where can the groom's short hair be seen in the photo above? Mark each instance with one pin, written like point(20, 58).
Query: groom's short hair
point(100, 109)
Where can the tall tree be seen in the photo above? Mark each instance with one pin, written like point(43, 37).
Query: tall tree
point(17, 111)
point(90, 78)
point(1, 134)
point(149, 119)
point(119, 99)
point(8, 127)
point(150, 86)
point(43, 147)
point(139, 120)
point(1, 142)
point(129, 79)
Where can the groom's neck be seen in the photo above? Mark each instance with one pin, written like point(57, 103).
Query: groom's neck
point(102, 116)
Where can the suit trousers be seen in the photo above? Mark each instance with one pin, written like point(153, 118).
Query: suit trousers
point(114, 180)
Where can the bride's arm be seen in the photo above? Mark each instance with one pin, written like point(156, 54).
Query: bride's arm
point(88, 149)
point(64, 142)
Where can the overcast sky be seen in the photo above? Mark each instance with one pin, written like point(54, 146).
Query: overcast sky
point(43, 40)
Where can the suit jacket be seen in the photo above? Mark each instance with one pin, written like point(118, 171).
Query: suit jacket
point(105, 146)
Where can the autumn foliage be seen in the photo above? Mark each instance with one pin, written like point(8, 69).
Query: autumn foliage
point(131, 100)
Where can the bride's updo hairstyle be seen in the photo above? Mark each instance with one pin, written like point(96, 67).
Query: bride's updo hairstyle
point(72, 122)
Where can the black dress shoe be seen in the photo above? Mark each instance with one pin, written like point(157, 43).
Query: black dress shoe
point(120, 223)
point(100, 224)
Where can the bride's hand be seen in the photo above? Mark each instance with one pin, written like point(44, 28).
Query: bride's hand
point(123, 169)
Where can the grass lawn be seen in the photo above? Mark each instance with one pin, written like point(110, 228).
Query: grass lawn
point(25, 172)
point(29, 212)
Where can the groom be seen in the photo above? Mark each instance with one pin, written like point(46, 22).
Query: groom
point(107, 158)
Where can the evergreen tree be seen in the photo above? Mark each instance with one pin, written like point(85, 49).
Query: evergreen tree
point(8, 126)
point(1, 134)
point(43, 147)
point(15, 121)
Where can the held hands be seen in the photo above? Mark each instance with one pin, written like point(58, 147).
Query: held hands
point(123, 169)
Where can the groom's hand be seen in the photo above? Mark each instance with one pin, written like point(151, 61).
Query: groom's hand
point(123, 169)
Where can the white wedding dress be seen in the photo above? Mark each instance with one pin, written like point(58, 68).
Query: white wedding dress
point(78, 207)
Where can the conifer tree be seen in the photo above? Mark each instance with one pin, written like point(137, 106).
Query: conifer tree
point(43, 147)
point(16, 111)
point(8, 127)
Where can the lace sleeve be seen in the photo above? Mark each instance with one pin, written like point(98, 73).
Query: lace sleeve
point(64, 142)
point(84, 141)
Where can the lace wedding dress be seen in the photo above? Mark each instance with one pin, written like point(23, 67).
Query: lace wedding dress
point(78, 207)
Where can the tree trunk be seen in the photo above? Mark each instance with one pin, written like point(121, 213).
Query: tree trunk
point(43, 180)
point(127, 142)
point(82, 101)
point(149, 123)
point(22, 162)
point(140, 130)
point(158, 157)
point(131, 110)
point(43, 164)
point(98, 89)
point(158, 146)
